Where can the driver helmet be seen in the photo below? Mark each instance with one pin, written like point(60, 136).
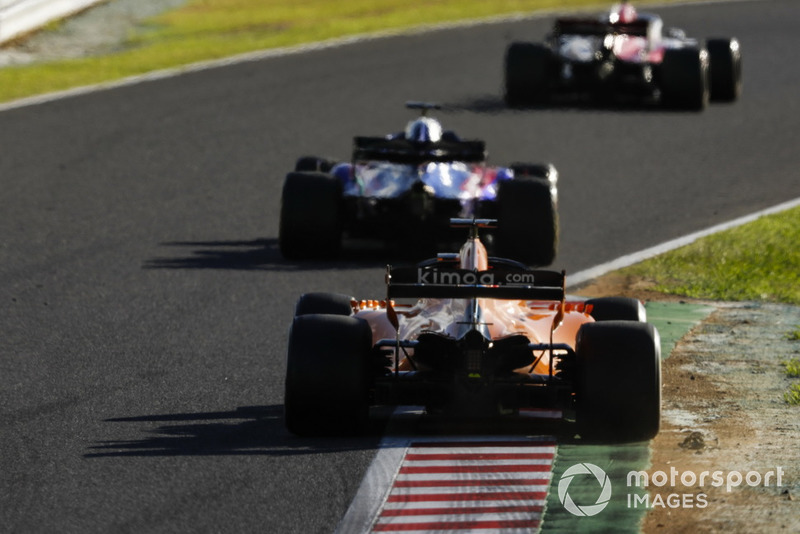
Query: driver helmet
point(424, 130)
point(623, 12)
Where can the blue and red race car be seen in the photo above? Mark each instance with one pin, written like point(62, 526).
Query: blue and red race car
point(403, 189)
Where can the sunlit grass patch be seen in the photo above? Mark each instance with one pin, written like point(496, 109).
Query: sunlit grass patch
point(792, 367)
point(792, 396)
point(759, 261)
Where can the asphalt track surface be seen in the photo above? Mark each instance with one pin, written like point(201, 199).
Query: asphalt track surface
point(144, 305)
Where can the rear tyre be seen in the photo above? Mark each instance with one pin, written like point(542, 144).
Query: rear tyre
point(313, 164)
point(725, 67)
point(526, 67)
point(618, 383)
point(327, 375)
point(685, 78)
point(311, 216)
point(325, 303)
point(527, 221)
point(617, 309)
point(545, 171)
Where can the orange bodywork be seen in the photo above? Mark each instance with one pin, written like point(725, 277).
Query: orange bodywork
point(503, 318)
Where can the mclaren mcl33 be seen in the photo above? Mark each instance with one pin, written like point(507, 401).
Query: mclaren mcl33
point(465, 334)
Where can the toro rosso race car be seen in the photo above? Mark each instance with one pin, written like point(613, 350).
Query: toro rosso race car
point(623, 52)
point(478, 337)
point(404, 188)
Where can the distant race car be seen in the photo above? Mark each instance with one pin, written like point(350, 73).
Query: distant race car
point(623, 52)
point(405, 187)
point(480, 337)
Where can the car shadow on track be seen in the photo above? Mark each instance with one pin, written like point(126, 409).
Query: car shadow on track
point(246, 431)
point(261, 431)
point(264, 255)
point(495, 105)
point(241, 254)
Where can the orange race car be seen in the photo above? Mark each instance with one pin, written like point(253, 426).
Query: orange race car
point(478, 336)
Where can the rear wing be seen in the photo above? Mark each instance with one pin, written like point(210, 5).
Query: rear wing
point(505, 282)
point(408, 152)
point(580, 26)
point(599, 28)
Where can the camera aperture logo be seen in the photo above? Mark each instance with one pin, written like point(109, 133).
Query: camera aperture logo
point(589, 509)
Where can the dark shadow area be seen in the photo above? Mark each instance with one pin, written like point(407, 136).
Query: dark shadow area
point(247, 431)
point(562, 430)
point(244, 255)
point(260, 431)
point(495, 105)
point(492, 104)
point(264, 255)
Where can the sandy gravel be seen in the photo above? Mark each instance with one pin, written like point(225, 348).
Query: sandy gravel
point(724, 411)
point(101, 29)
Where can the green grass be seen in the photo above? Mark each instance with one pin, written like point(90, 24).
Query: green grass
point(213, 29)
point(792, 396)
point(792, 367)
point(759, 261)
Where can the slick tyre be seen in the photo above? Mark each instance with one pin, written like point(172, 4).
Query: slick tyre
point(526, 68)
point(617, 309)
point(325, 303)
point(313, 164)
point(545, 171)
point(311, 216)
point(685, 80)
point(618, 381)
point(527, 221)
point(725, 68)
point(327, 375)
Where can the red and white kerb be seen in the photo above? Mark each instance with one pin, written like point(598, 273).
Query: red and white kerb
point(466, 486)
